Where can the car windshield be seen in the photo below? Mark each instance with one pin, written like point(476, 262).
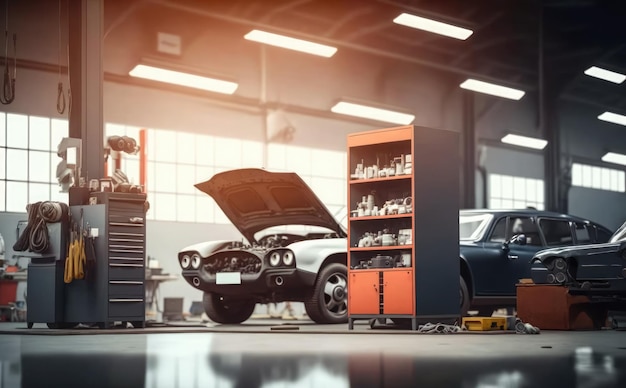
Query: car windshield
point(620, 234)
point(473, 225)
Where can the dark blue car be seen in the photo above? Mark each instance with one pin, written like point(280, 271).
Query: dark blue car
point(497, 246)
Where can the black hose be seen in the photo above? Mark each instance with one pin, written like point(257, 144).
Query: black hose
point(35, 236)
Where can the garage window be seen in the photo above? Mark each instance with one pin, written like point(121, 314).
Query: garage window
point(513, 192)
point(30, 144)
point(601, 178)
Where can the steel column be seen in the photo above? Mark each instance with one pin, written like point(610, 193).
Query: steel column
point(85, 70)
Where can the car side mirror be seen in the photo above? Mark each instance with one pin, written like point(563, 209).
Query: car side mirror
point(519, 239)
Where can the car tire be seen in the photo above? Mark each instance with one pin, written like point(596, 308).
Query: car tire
point(229, 312)
point(328, 302)
point(465, 298)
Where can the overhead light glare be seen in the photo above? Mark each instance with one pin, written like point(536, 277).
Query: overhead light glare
point(369, 112)
point(524, 141)
point(287, 42)
point(183, 79)
point(433, 26)
point(606, 75)
point(613, 118)
point(493, 89)
point(613, 157)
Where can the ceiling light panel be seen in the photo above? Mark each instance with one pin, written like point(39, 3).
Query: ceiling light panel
point(607, 75)
point(525, 141)
point(373, 113)
point(433, 26)
point(613, 157)
point(287, 42)
point(183, 79)
point(613, 118)
point(492, 89)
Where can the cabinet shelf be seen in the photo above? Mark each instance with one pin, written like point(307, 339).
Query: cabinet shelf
point(387, 217)
point(382, 248)
point(385, 179)
point(363, 270)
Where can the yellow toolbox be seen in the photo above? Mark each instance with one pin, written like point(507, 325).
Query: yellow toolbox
point(484, 323)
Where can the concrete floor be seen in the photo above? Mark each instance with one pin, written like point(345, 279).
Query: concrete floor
point(329, 356)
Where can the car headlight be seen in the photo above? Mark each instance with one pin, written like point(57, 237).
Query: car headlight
point(185, 261)
point(195, 261)
point(288, 258)
point(274, 259)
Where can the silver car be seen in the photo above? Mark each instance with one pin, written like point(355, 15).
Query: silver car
point(293, 249)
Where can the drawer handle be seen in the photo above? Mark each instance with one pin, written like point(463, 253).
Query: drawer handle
point(113, 247)
point(126, 265)
point(125, 224)
point(125, 282)
point(120, 240)
point(115, 201)
point(126, 258)
point(140, 251)
point(136, 220)
point(126, 234)
point(125, 300)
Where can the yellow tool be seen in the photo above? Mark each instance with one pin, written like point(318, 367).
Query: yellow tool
point(76, 257)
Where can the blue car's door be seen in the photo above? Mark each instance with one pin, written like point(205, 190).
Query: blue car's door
point(501, 265)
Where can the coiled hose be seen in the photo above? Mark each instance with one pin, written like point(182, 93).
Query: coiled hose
point(35, 237)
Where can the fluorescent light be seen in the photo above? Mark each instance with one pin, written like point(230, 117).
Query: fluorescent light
point(606, 75)
point(184, 79)
point(291, 43)
point(613, 118)
point(433, 26)
point(613, 157)
point(493, 89)
point(368, 112)
point(524, 141)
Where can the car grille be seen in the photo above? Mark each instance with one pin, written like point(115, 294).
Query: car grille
point(242, 262)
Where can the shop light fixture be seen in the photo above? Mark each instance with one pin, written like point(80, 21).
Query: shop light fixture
point(373, 113)
point(183, 79)
point(524, 141)
point(613, 118)
point(614, 157)
point(607, 75)
point(493, 89)
point(287, 42)
point(433, 26)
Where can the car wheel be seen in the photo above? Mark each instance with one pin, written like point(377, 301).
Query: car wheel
point(221, 310)
point(464, 297)
point(329, 301)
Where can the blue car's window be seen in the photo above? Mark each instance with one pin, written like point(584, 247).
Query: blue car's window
point(584, 233)
point(556, 232)
point(472, 225)
point(516, 225)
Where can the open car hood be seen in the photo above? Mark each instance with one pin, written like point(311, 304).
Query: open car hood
point(255, 199)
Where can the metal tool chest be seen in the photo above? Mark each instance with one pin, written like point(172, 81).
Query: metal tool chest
point(114, 286)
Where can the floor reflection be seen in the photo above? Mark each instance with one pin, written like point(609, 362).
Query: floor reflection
point(210, 361)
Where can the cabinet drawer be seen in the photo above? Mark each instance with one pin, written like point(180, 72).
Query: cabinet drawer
point(127, 205)
point(122, 259)
point(139, 230)
point(125, 271)
point(126, 288)
point(123, 308)
point(126, 250)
